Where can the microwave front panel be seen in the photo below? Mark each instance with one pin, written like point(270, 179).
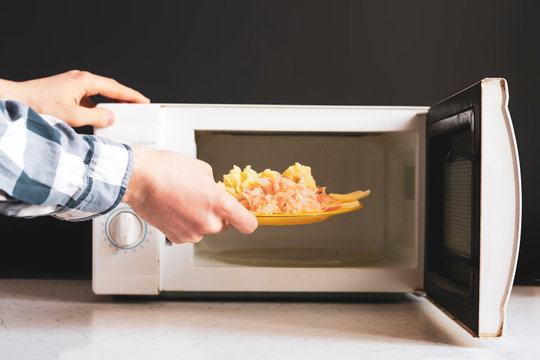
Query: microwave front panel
point(348, 148)
point(179, 123)
point(387, 149)
point(472, 207)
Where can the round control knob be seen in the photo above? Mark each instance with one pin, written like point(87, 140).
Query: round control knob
point(125, 229)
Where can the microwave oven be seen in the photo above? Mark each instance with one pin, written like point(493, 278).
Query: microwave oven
point(443, 217)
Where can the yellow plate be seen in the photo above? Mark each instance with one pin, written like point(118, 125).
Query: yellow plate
point(302, 219)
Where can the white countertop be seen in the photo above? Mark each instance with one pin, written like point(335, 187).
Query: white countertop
point(63, 319)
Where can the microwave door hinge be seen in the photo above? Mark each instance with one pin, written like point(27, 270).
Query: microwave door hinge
point(421, 293)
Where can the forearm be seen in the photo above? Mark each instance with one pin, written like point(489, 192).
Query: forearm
point(48, 169)
point(9, 90)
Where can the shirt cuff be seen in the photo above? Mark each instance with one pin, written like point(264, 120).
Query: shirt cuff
point(108, 173)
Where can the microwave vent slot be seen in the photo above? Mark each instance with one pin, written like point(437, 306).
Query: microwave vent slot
point(457, 207)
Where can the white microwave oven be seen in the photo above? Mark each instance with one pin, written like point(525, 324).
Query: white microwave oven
point(443, 217)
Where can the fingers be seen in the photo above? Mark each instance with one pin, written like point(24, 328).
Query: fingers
point(237, 215)
point(95, 84)
point(180, 236)
point(98, 117)
point(185, 239)
point(196, 232)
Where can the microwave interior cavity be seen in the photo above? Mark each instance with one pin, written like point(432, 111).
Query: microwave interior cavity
point(380, 235)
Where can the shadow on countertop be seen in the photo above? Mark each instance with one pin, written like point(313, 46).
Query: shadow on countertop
point(402, 318)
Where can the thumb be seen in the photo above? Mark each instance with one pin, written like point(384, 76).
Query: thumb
point(97, 117)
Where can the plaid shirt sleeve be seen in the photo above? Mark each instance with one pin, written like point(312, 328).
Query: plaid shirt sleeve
point(48, 169)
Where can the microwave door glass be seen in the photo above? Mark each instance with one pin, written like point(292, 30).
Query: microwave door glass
point(470, 247)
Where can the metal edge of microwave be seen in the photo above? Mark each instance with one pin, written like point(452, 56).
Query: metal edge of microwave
point(470, 150)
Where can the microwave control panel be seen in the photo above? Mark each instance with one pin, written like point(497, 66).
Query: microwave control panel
point(124, 229)
point(125, 248)
point(125, 253)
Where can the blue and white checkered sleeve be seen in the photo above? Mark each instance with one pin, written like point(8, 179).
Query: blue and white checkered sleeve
point(48, 169)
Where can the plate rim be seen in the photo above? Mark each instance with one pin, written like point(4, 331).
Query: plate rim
point(328, 213)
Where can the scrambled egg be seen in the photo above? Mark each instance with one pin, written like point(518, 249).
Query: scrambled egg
point(237, 180)
point(298, 172)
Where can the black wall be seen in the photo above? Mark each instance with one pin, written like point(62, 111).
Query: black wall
point(287, 52)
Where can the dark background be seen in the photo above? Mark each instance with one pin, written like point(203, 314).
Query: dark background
point(280, 52)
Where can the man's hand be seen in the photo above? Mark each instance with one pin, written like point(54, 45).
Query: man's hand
point(178, 195)
point(67, 96)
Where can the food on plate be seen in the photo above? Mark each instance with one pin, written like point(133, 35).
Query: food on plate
point(292, 192)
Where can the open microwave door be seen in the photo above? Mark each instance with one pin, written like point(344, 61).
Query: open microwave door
point(473, 206)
